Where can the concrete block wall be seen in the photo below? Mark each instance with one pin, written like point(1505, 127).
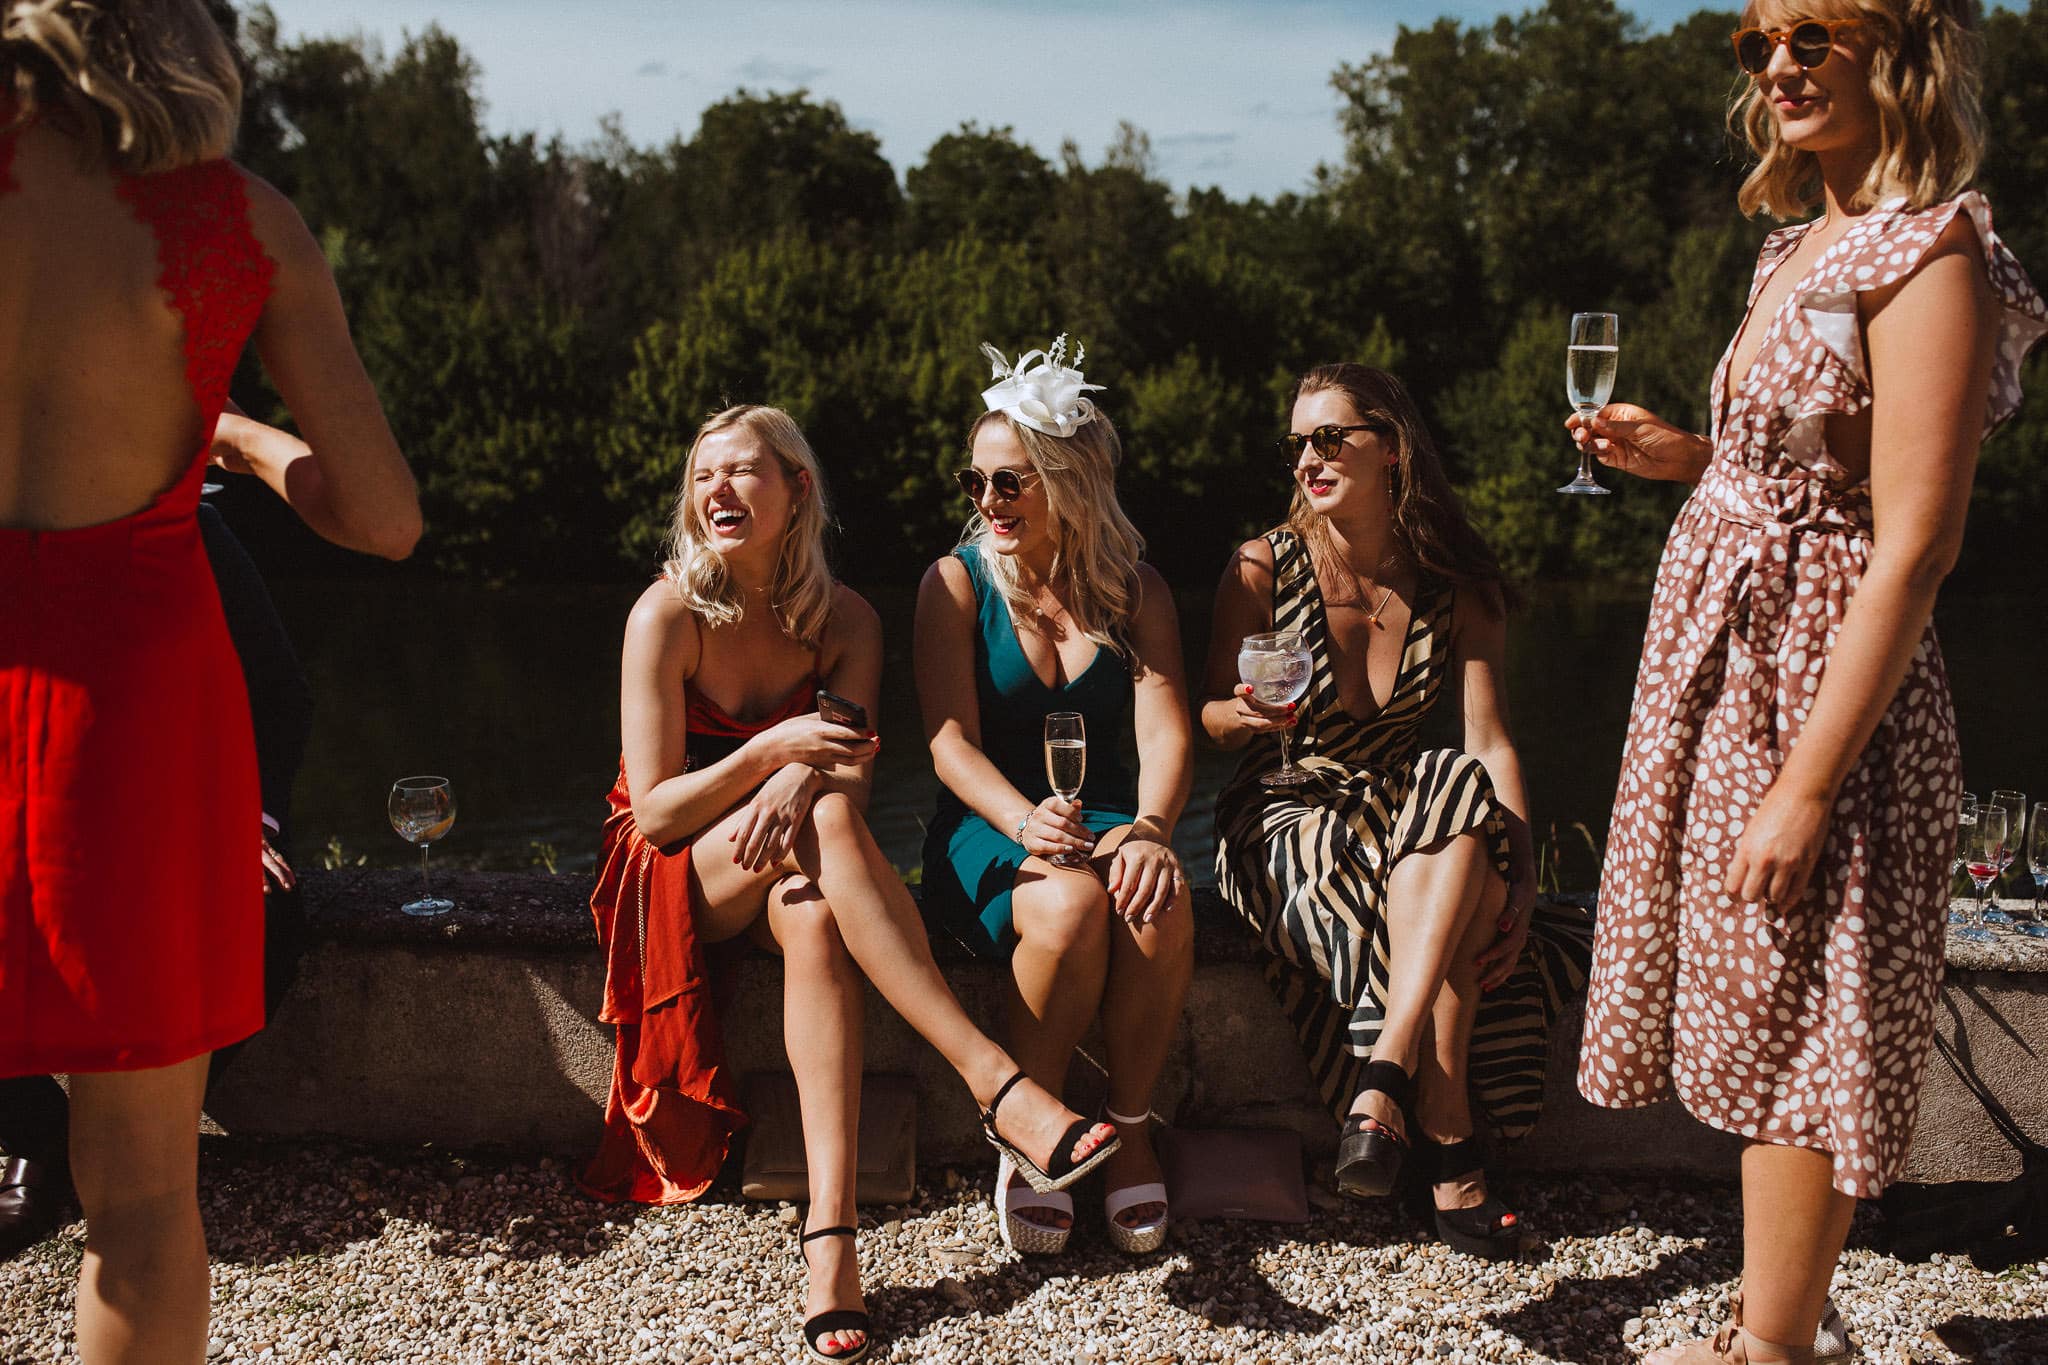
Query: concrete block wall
point(480, 1028)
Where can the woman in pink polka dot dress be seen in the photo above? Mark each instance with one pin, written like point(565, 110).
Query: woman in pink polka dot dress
point(1772, 909)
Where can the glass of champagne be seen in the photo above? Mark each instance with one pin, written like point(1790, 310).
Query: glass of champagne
point(2014, 804)
point(1981, 852)
point(1592, 354)
point(2037, 863)
point(1066, 767)
point(1966, 830)
point(422, 809)
point(1276, 666)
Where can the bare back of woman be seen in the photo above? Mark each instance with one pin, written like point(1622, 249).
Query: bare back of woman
point(96, 416)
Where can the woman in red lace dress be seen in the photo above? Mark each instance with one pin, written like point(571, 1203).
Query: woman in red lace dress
point(135, 263)
point(1772, 910)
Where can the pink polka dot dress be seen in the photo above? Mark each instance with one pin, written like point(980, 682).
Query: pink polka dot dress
point(1806, 1024)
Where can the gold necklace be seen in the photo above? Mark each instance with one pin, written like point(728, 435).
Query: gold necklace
point(1358, 583)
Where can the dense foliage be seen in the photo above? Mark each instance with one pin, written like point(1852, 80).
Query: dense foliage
point(547, 323)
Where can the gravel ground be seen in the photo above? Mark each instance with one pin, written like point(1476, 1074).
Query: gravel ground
point(338, 1254)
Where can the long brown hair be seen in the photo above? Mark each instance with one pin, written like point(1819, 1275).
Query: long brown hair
point(1430, 524)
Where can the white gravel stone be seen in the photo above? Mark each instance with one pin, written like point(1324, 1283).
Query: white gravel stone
point(328, 1254)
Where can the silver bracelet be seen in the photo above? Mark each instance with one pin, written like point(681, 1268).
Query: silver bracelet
point(1017, 837)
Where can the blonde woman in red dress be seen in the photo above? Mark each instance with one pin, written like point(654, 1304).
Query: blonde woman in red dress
point(135, 263)
point(1772, 911)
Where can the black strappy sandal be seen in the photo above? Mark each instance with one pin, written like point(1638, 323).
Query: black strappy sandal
point(1062, 1170)
point(1491, 1230)
point(833, 1320)
point(1369, 1159)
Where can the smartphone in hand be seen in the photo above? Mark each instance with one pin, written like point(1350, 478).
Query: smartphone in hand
point(840, 711)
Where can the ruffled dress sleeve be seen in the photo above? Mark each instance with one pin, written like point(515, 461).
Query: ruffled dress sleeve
point(1891, 244)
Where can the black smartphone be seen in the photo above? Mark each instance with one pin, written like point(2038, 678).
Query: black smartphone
point(840, 711)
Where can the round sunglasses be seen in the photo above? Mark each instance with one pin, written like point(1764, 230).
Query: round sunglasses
point(1328, 440)
point(1809, 41)
point(1008, 483)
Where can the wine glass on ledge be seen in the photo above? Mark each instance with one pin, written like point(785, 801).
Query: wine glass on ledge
point(422, 809)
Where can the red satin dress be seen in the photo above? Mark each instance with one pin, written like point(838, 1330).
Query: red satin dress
point(673, 1107)
point(131, 904)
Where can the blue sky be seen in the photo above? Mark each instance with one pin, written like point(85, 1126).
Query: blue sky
point(1234, 93)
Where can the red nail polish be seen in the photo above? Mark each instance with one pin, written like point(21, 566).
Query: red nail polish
point(1507, 922)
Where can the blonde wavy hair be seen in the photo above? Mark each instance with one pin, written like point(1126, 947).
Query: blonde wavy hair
point(151, 85)
point(1924, 76)
point(1095, 546)
point(801, 591)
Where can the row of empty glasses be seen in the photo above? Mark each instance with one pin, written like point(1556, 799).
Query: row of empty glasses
point(1989, 837)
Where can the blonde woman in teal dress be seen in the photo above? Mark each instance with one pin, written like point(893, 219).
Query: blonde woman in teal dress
point(1045, 607)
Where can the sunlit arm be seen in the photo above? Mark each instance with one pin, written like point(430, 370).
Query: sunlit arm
point(1479, 654)
point(1160, 712)
point(1243, 606)
point(1929, 342)
point(944, 653)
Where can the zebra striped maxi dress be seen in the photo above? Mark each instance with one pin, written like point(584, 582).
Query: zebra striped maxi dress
point(1308, 867)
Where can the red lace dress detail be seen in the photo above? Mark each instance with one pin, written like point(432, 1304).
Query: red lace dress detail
point(131, 904)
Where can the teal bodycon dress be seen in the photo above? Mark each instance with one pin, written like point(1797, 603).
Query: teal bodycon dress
point(969, 866)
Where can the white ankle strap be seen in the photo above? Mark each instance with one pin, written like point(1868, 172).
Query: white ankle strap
point(1126, 1119)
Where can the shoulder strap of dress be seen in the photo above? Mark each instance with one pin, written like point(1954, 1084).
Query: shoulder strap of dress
point(212, 268)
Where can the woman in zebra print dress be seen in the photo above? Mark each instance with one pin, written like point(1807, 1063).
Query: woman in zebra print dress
point(1396, 891)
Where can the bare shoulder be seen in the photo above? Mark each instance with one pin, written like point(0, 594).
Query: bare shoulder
point(662, 626)
point(853, 619)
point(1479, 615)
point(947, 580)
point(276, 222)
point(1154, 593)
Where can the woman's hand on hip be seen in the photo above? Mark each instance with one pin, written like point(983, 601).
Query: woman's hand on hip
point(1054, 827)
point(772, 816)
point(1779, 846)
point(1639, 442)
point(1144, 878)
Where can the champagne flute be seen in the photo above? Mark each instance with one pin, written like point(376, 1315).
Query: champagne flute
point(1066, 767)
point(2014, 804)
point(2037, 863)
point(422, 809)
point(1592, 354)
point(1981, 852)
point(1276, 666)
point(1966, 830)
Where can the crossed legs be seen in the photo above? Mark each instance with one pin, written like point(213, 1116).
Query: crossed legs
point(1442, 906)
point(143, 1288)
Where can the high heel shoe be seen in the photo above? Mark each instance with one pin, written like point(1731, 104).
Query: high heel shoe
point(1490, 1229)
point(821, 1325)
point(1369, 1157)
point(1148, 1236)
point(1025, 1236)
point(1062, 1170)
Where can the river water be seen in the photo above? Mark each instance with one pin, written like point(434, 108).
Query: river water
point(513, 695)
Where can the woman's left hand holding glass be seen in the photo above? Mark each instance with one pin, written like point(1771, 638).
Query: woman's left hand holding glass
point(772, 816)
point(1144, 879)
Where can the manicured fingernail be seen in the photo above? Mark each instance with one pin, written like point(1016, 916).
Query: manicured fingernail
point(1507, 922)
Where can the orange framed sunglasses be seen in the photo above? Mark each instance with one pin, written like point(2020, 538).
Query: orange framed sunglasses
point(1809, 41)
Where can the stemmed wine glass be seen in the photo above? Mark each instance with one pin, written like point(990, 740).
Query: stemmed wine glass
point(1983, 846)
point(1592, 354)
point(2037, 863)
point(422, 809)
point(2014, 804)
point(1276, 666)
point(1066, 767)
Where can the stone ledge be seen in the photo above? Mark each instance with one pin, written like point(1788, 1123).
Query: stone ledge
point(479, 1028)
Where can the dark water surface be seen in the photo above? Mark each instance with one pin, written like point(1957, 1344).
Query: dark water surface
point(513, 695)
